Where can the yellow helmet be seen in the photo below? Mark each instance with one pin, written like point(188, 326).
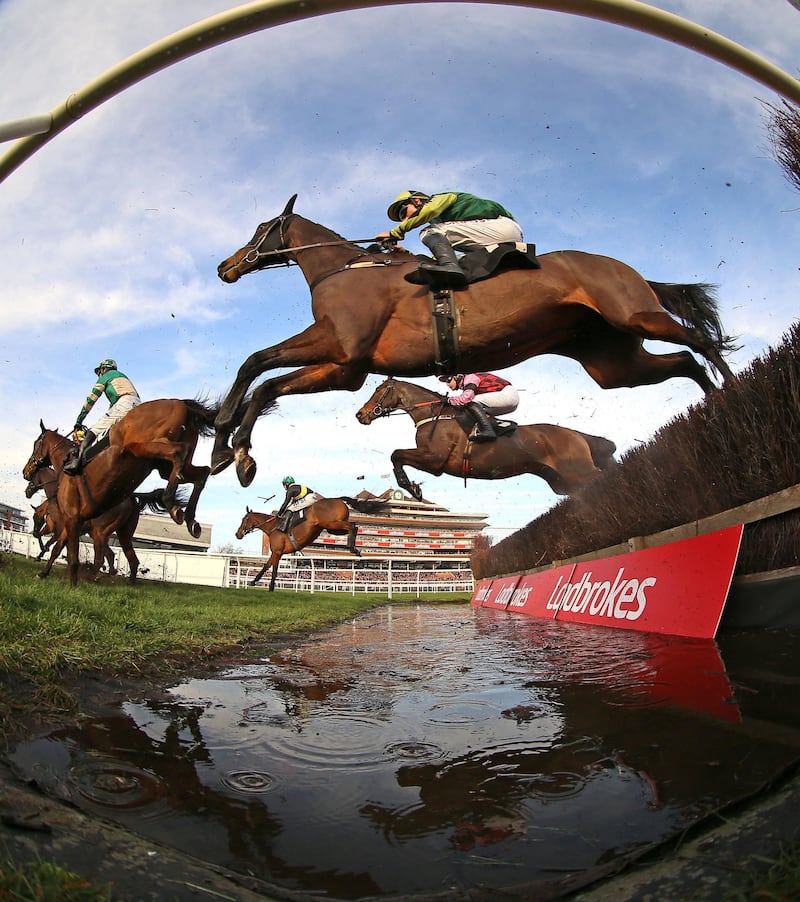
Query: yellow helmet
point(401, 200)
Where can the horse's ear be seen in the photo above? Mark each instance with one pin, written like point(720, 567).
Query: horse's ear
point(247, 509)
point(289, 205)
point(41, 424)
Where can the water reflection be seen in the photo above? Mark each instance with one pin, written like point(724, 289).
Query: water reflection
point(433, 749)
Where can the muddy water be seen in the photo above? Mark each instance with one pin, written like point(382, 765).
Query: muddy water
point(428, 750)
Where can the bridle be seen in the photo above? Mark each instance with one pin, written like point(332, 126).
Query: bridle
point(378, 410)
point(44, 460)
point(256, 251)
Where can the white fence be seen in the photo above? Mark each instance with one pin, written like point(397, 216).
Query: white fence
point(237, 572)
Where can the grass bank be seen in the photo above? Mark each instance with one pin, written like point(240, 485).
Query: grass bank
point(53, 634)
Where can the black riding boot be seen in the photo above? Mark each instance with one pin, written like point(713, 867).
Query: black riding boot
point(445, 271)
point(287, 519)
point(483, 431)
point(75, 465)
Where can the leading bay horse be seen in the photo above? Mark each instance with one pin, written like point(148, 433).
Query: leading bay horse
point(157, 435)
point(565, 458)
point(368, 319)
point(331, 514)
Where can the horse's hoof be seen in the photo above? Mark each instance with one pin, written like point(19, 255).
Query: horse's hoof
point(177, 515)
point(194, 529)
point(246, 470)
point(220, 461)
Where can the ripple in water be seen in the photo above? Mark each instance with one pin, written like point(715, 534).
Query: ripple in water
point(115, 785)
point(330, 739)
point(413, 749)
point(249, 781)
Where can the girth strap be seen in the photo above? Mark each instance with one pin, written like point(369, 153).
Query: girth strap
point(444, 331)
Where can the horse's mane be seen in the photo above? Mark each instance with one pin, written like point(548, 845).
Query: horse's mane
point(433, 395)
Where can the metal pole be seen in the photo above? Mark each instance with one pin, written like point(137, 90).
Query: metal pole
point(262, 14)
point(23, 128)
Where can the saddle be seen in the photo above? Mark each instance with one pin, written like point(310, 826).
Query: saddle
point(478, 265)
point(98, 447)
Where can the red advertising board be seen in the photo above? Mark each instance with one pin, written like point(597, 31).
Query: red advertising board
point(679, 589)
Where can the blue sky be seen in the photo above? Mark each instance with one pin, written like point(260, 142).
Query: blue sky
point(597, 137)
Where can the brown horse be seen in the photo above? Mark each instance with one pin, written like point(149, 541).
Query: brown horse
point(564, 458)
point(368, 319)
point(157, 435)
point(44, 479)
point(331, 514)
point(121, 521)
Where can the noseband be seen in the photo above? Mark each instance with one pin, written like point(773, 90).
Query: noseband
point(378, 410)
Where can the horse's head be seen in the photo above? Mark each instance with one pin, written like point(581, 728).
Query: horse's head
point(264, 249)
point(384, 400)
point(247, 525)
point(49, 449)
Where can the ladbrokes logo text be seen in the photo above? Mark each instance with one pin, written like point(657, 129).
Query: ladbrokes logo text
point(620, 599)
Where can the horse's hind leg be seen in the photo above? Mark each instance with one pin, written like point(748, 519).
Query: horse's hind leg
point(618, 360)
point(197, 476)
point(345, 527)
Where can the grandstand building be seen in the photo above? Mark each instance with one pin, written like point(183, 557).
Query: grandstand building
point(405, 544)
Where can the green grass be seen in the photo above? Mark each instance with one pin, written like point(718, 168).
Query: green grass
point(40, 881)
point(51, 631)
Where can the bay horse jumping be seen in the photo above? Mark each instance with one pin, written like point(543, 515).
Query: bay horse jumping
point(565, 458)
point(331, 514)
point(368, 319)
point(157, 435)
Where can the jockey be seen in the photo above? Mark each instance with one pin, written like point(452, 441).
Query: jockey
point(297, 497)
point(122, 396)
point(479, 393)
point(456, 221)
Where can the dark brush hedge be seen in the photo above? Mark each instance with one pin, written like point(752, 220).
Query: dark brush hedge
point(740, 444)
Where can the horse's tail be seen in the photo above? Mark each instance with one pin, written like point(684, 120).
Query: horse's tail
point(696, 306)
point(602, 450)
point(364, 505)
point(202, 414)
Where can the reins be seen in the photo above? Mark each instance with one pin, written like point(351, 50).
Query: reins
point(255, 253)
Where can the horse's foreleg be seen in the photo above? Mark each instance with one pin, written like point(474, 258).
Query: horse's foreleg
point(261, 572)
point(307, 380)
point(132, 559)
point(312, 345)
point(257, 577)
point(58, 543)
point(420, 460)
point(401, 477)
point(277, 559)
point(73, 558)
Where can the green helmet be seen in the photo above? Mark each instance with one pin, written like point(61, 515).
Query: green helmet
point(107, 364)
point(288, 480)
point(401, 200)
